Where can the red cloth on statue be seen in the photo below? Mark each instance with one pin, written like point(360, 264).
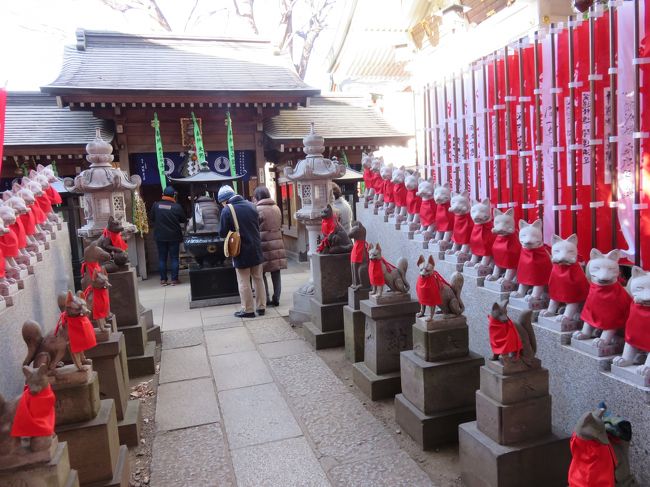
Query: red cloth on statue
point(2, 264)
point(534, 267)
point(606, 307)
point(568, 283)
point(388, 191)
point(637, 327)
point(367, 178)
point(593, 463)
point(328, 225)
point(377, 182)
point(116, 239)
point(376, 273)
point(35, 414)
point(428, 289)
point(90, 267)
point(506, 249)
point(19, 230)
point(53, 194)
point(444, 218)
point(463, 226)
point(399, 194)
point(358, 251)
point(9, 244)
point(481, 240)
point(39, 216)
point(428, 212)
point(504, 337)
point(44, 203)
point(413, 202)
point(28, 223)
point(100, 301)
point(80, 332)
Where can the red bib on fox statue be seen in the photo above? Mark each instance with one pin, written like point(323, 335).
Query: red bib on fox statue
point(607, 307)
point(53, 194)
point(367, 178)
point(388, 191)
point(3, 264)
point(19, 229)
point(44, 203)
point(116, 239)
point(463, 226)
point(376, 273)
point(568, 283)
point(359, 251)
point(444, 218)
point(89, 268)
point(413, 202)
point(100, 301)
point(593, 463)
point(534, 267)
point(428, 289)
point(504, 337)
point(80, 332)
point(377, 183)
point(637, 327)
point(506, 249)
point(399, 194)
point(481, 239)
point(39, 216)
point(35, 414)
point(9, 244)
point(29, 224)
point(428, 212)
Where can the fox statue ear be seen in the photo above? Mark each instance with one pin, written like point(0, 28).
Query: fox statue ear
point(510, 212)
point(595, 254)
point(68, 298)
point(538, 224)
point(523, 224)
point(486, 202)
point(27, 371)
point(420, 260)
point(445, 185)
point(431, 261)
point(497, 212)
point(614, 255)
point(573, 239)
point(378, 247)
point(637, 272)
point(555, 239)
point(464, 194)
point(94, 274)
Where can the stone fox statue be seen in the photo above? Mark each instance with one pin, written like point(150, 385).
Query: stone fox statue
point(97, 298)
point(510, 341)
point(35, 417)
point(74, 318)
point(95, 258)
point(359, 257)
point(112, 242)
point(337, 242)
point(381, 273)
point(434, 291)
point(47, 350)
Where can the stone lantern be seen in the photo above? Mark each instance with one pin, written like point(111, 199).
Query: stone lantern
point(104, 189)
point(313, 176)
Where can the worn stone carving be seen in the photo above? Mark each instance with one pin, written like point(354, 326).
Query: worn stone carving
point(512, 342)
point(336, 241)
point(505, 250)
point(413, 201)
point(463, 225)
point(534, 267)
point(369, 191)
point(98, 300)
point(359, 257)
point(382, 273)
point(433, 291)
point(427, 210)
point(399, 194)
point(444, 217)
point(481, 240)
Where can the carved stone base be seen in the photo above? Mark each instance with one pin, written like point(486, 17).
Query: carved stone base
point(354, 323)
point(422, 239)
point(389, 297)
point(457, 260)
point(320, 339)
point(476, 275)
point(23, 455)
point(439, 249)
point(355, 296)
point(76, 402)
point(53, 472)
point(69, 375)
point(500, 287)
point(301, 310)
point(588, 347)
point(376, 386)
point(630, 374)
point(517, 306)
point(564, 325)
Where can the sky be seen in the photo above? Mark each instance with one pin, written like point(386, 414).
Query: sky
point(34, 32)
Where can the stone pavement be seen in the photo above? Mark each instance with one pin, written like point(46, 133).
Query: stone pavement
point(248, 403)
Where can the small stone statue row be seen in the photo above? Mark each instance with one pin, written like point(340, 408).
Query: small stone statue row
point(27, 222)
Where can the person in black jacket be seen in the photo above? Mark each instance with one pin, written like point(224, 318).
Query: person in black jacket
point(166, 218)
point(248, 264)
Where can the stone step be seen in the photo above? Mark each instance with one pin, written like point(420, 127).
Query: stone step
point(154, 334)
point(73, 479)
point(135, 337)
point(129, 427)
point(322, 339)
point(122, 471)
point(145, 364)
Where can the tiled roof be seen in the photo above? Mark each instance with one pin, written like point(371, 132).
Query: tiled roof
point(35, 119)
point(334, 117)
point(125, 62)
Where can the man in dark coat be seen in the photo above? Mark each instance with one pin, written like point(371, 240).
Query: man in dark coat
point(166, 218)
point(248, 264)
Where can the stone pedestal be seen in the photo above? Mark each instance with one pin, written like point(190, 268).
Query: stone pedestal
point(439, 249)
point(439, 377)
point(604, 352)
point(630, 374)
point(354, 324)
point(89, 425)
point(511, 443)
point(110, 363)
point(499, 291)
point(422, 239)
point(409, 229)
point(332, 278)
point(54, 472)
point(388, 331)
point(457, 260)
point(561, 325)
point(476, 276)
point(126, 306)
point(517, 306)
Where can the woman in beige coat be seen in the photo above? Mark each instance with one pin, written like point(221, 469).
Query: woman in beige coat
point(275, 258)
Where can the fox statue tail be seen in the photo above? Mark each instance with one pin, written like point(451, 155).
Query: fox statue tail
point(33, 337)
point(403, 265)
point(456, 283)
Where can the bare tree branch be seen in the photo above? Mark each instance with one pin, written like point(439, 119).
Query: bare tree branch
point(317, 22)
point(189, 17)
point(149, 6)
point(248, 14)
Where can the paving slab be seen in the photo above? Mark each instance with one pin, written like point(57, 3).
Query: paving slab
point(183, 363)
point(220, 322)
point(395, 470)
point(286, 463)
point(257, 414)
point(182, 338)
point(270, 330)
point(229, 340)
point(180, 320)
point(186, 403)
point(240, 369)
point(191, 457)
point(284, 348)
point(223, 310)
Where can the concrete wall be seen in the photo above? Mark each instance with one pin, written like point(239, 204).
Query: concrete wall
point(37, 301)
point(577, 383)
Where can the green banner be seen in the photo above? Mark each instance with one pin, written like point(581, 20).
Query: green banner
point(345, 159)
point(198, 141)
point(231, 149)
point(159, 151)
